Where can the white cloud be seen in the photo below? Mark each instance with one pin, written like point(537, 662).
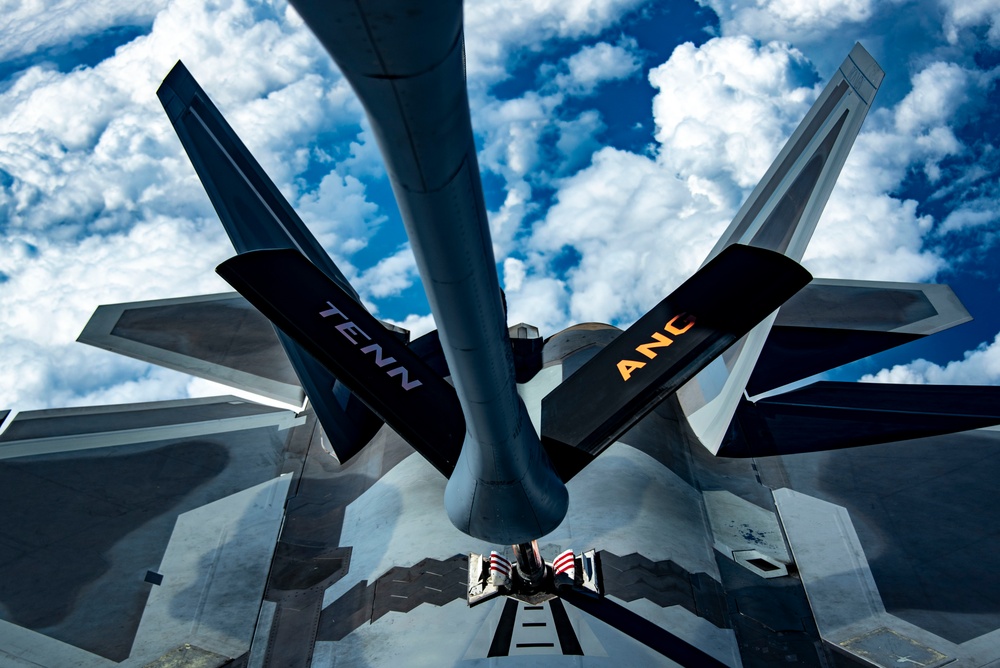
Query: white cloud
point(978, 367)
point(339, 215)
point(513, 274)
point(390, 276)
point(99, 204)
point(539, 301)
point(494, 30)
point(938, 91)
point(29, 25)
point(639, 231)
point(595, 64)
point(756, 87)
point(641, 224)
point(418, 325)
point(528, 143)
point(963, 14)
point(53, 289)
point(976, 214)
point(789, 19)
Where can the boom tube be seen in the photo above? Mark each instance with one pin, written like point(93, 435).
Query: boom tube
point(410, 77)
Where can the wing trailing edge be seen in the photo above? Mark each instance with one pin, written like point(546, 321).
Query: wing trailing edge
point(835, 415)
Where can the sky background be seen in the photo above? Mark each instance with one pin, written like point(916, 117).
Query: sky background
point(617, 140)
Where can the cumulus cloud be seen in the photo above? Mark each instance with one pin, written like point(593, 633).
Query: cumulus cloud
point(637, 230)
point(495, 30)
point(789, 19)
point(417, 325)
point(978, 367)
point(99, 204)
point(595, 64)
point(339, 214)
point(528, 141)
point(963, 14)
point(756, 86)
point(390, 276)
point(53, 288)
point(29, 25)
point(639, 224)
point(978, 213)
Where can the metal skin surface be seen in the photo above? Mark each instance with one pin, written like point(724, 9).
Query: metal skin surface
point(410, 77)
point(780, 215)
point(256, 216)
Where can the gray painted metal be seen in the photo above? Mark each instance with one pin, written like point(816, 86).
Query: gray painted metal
point(874, 306)
point(832, 322)
point(220, 337)
point(781, 214)
point(410, 77)
point(256, 216)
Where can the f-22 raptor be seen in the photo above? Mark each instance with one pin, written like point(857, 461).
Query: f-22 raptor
point(510, 454)
point(482, 495)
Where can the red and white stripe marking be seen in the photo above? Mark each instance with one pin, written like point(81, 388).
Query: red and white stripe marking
point(499, 565)
point(565, 563)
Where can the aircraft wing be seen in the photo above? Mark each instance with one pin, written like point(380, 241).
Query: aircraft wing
point(832, 322)
point(833, 415)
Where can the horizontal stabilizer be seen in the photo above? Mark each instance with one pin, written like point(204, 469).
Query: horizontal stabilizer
point(663, 350)
point(366, 357)
point(832, 322)
point(834, 415)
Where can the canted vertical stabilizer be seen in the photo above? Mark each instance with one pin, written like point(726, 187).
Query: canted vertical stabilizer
point(780, 215)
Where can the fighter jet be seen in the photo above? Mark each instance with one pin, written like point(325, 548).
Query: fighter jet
point(467, 483)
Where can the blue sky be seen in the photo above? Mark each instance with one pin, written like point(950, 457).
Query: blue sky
point(617, 139)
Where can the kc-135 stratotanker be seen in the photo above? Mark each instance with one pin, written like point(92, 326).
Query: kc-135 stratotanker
point(710, 345)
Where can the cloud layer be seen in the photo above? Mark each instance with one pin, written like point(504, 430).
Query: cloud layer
point(98, 203)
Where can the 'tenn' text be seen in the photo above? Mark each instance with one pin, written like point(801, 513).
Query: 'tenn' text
point(353, 333)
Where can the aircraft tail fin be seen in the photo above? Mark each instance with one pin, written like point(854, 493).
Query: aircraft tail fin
point(256, 216)
point(337, 331)
point(663, 350)
point(780, 215)
point(782, 211)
